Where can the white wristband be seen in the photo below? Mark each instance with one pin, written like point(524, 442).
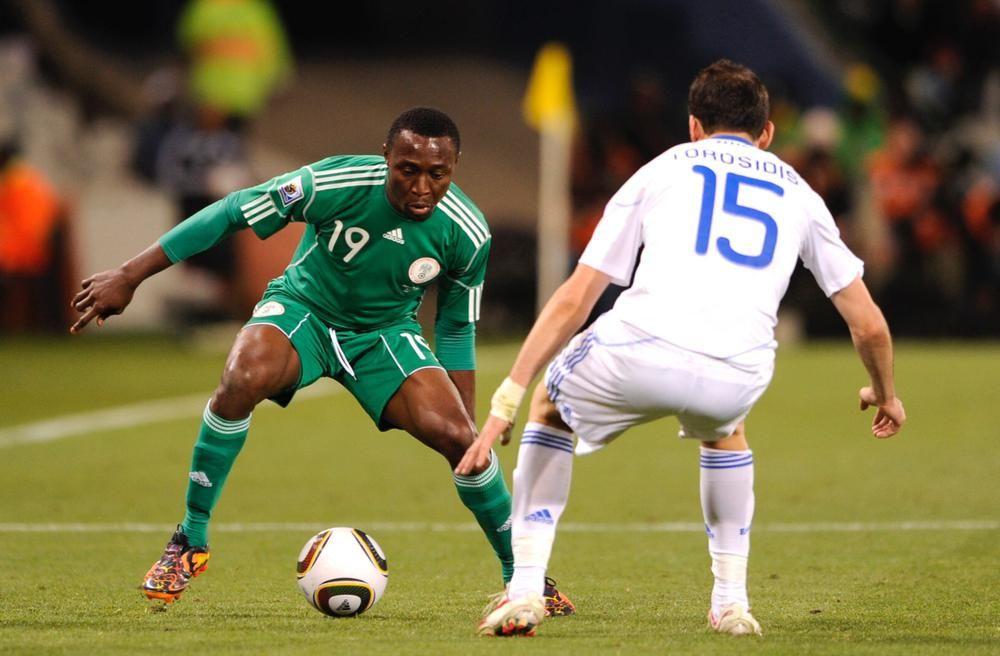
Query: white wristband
point(506, 400)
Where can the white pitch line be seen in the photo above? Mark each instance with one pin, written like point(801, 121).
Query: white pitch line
point(462, 527)
point(126, 416)
point(146, 412)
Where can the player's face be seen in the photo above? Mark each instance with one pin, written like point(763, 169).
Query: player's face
point(420, 170)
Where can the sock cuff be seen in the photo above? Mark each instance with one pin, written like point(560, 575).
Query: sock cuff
point(546, 436)
point(535, 427)
point(483, 478)
point(225, 427)
point(720, 459)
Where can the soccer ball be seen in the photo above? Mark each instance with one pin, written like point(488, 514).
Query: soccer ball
point(342, 571)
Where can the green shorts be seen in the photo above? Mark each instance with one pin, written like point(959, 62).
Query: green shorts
point(370, 364)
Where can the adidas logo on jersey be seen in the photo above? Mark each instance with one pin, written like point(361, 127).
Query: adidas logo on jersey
point(396, 235)
point(542, 516)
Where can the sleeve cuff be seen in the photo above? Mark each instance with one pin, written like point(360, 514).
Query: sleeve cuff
point(455, 345)
point(173, 257)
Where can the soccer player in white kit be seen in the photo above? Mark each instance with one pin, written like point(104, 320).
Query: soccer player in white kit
point(717, 226)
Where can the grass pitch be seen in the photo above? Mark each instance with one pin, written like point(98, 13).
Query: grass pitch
point(860, 546)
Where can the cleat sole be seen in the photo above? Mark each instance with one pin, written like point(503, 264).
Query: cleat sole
point(164, 597)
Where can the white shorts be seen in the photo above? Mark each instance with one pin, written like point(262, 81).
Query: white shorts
point(614, 376)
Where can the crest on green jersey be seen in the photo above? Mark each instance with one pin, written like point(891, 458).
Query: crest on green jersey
point(424, 270)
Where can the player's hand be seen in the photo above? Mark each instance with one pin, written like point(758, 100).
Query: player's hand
point(889, 417)
point(102, 295)
point(477, 456)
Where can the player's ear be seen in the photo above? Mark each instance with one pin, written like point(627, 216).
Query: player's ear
point(766, 136)
point(385, 151)
point(695, 128)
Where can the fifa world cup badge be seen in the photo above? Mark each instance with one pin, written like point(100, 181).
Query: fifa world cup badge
point(291, 191)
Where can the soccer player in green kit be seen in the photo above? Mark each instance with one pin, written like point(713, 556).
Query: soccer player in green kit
point(379, 229)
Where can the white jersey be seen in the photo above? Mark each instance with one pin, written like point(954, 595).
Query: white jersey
point(720, 224)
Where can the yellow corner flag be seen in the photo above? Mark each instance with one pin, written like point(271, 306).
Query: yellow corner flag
point(549, 99)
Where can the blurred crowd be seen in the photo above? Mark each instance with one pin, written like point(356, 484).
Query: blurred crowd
point(186, 137)
point(33, 253)
point(192, 143)
point(908, 162)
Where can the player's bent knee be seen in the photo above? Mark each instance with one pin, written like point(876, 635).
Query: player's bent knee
point(262, 363)
point(452, 439)
point(736, 441)
point(245, 383)
point(544, 411)
point(242, 384)
point(236, 398)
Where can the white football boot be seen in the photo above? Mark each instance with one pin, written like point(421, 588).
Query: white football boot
point(734, 619)
point(506, 617)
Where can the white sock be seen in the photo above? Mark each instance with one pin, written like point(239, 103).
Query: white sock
point(541, 488)
point(727, 503)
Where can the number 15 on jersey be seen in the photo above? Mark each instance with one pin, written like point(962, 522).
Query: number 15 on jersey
point(731, 205)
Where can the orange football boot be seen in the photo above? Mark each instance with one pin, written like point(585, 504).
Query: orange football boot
point(171, 574)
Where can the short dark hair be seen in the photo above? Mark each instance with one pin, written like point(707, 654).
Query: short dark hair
point(729, 96)
point(427, 122)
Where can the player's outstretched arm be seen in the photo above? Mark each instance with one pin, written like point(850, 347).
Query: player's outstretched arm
point(559, 320)
point(873, 343)
point(561, 317)
point(109, 292)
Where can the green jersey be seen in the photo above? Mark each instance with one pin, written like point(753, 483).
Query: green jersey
point(361, 264)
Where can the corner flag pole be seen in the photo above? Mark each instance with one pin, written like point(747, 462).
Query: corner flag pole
point(550, 108)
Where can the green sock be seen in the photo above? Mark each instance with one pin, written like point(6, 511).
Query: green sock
point(219, 442)
point(486, 495)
